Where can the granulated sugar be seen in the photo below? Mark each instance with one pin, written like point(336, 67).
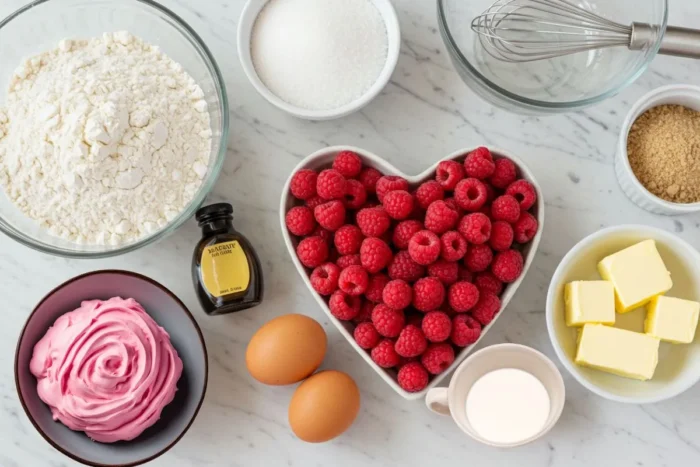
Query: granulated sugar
point(319, 54)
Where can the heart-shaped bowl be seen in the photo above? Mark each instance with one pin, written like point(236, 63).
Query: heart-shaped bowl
point(323, 158)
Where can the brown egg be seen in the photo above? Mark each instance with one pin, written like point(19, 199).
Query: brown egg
point(286, 350)
point(324, 406)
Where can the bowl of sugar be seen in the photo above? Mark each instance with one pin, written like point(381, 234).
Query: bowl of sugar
point(319, 59)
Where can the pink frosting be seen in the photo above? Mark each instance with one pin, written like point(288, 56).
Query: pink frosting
point(106, 369)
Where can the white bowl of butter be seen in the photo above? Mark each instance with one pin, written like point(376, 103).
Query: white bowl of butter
point(668, 371)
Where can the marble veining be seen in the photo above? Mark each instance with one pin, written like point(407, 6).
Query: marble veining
point(424, 113)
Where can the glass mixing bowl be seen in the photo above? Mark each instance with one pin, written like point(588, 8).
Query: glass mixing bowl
point(40, 25)
point(555, 85)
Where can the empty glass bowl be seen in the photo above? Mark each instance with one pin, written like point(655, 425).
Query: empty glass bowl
point(40, 25)
point(555, 85)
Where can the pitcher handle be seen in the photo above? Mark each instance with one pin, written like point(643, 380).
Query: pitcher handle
point(436, 400)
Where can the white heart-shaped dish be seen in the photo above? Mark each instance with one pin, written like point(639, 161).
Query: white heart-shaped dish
point(322, 159)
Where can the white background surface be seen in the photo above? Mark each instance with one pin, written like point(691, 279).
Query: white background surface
point(424, 113)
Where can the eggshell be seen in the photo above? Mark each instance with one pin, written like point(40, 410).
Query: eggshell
point(286, 350)
point(324, 406)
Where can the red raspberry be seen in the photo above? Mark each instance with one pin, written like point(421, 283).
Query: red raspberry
point(312, 251)
point(486, 308)
point(389, 183)
point(486, 282)
point(330, 184)
point(347, 239)
point(413, 377)
point(403, 232)
point(348, 164)
point(523, 192)
point(366, 335)
point(375, 254)
point(465, 274)
point(300, 221)
point(463, 296)
point(428, 192)
point(504, 173)
point(478, 258)
point(388, 322)
point(449, 173)
point(452, 204)
point(348, 260)
point(375, 288)
point(353, 280)
point(465, 330)
point(369, 177)
point(424, 247)
point(501, 236)
point(343, 306)
point(471, 194)
point(331, 215)
point(505, 208)
point(373, 222)
point(486, 210)
point(403, 267)
point(526, 228)
point(411, 342)
point(453, 246)
point(303, 184)
point(398, 204)
point(397, 294)
point(428, 294)
point(324, 278)
point(384, 354)
point(447, 272)
point(326, 235)
point(365, 313)
point(490, 193)
point(436, 326)
point(478, 166)
point(314, 201)
point(437, 358)
point(440, 217)
point(475, 228)
point(507, 266)
point(355, 194)
point(483, 152)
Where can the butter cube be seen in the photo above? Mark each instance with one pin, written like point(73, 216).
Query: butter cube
point(589, 302)
point(672, 319)
point(618, 351)
point(638, 274)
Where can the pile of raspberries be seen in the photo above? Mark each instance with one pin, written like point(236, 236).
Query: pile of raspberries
point(418, 270)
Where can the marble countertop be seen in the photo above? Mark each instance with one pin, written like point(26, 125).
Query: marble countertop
point(423, 114)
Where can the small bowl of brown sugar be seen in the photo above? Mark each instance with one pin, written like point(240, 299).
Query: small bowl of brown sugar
point(658, 156)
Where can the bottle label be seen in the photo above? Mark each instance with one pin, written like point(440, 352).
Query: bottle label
point(224, 269)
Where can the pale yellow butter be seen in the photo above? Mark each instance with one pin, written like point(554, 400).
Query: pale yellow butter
point(618, 351)
point(589, 302)
point(672, 319)
point(638, 274)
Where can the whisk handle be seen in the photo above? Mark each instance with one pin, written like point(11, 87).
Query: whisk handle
point(681, 42)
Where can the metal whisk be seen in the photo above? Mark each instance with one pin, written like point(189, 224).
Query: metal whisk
point(529, 30)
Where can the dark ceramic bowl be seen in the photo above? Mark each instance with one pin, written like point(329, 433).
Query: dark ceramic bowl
point(170, 313)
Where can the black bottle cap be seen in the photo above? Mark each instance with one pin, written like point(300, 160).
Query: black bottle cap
point(212, 211)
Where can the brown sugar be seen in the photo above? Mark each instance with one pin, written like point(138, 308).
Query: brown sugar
point(663, 148)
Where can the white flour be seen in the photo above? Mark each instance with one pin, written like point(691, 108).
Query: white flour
point(103, 141)
point(319, 54)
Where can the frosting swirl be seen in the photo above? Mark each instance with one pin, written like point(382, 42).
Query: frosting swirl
point(107, 369)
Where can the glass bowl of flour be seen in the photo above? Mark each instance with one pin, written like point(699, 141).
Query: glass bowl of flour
point(113, 125)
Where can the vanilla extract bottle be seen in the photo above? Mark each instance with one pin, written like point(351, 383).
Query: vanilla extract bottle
point(225, 268)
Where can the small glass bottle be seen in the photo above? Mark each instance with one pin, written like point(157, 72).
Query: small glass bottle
point(225, 269)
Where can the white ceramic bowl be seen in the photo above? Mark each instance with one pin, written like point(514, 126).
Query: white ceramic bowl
point(451, 400)
point(678, 94)
point(245, 30)
point(323, 158)
point(679, 364)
